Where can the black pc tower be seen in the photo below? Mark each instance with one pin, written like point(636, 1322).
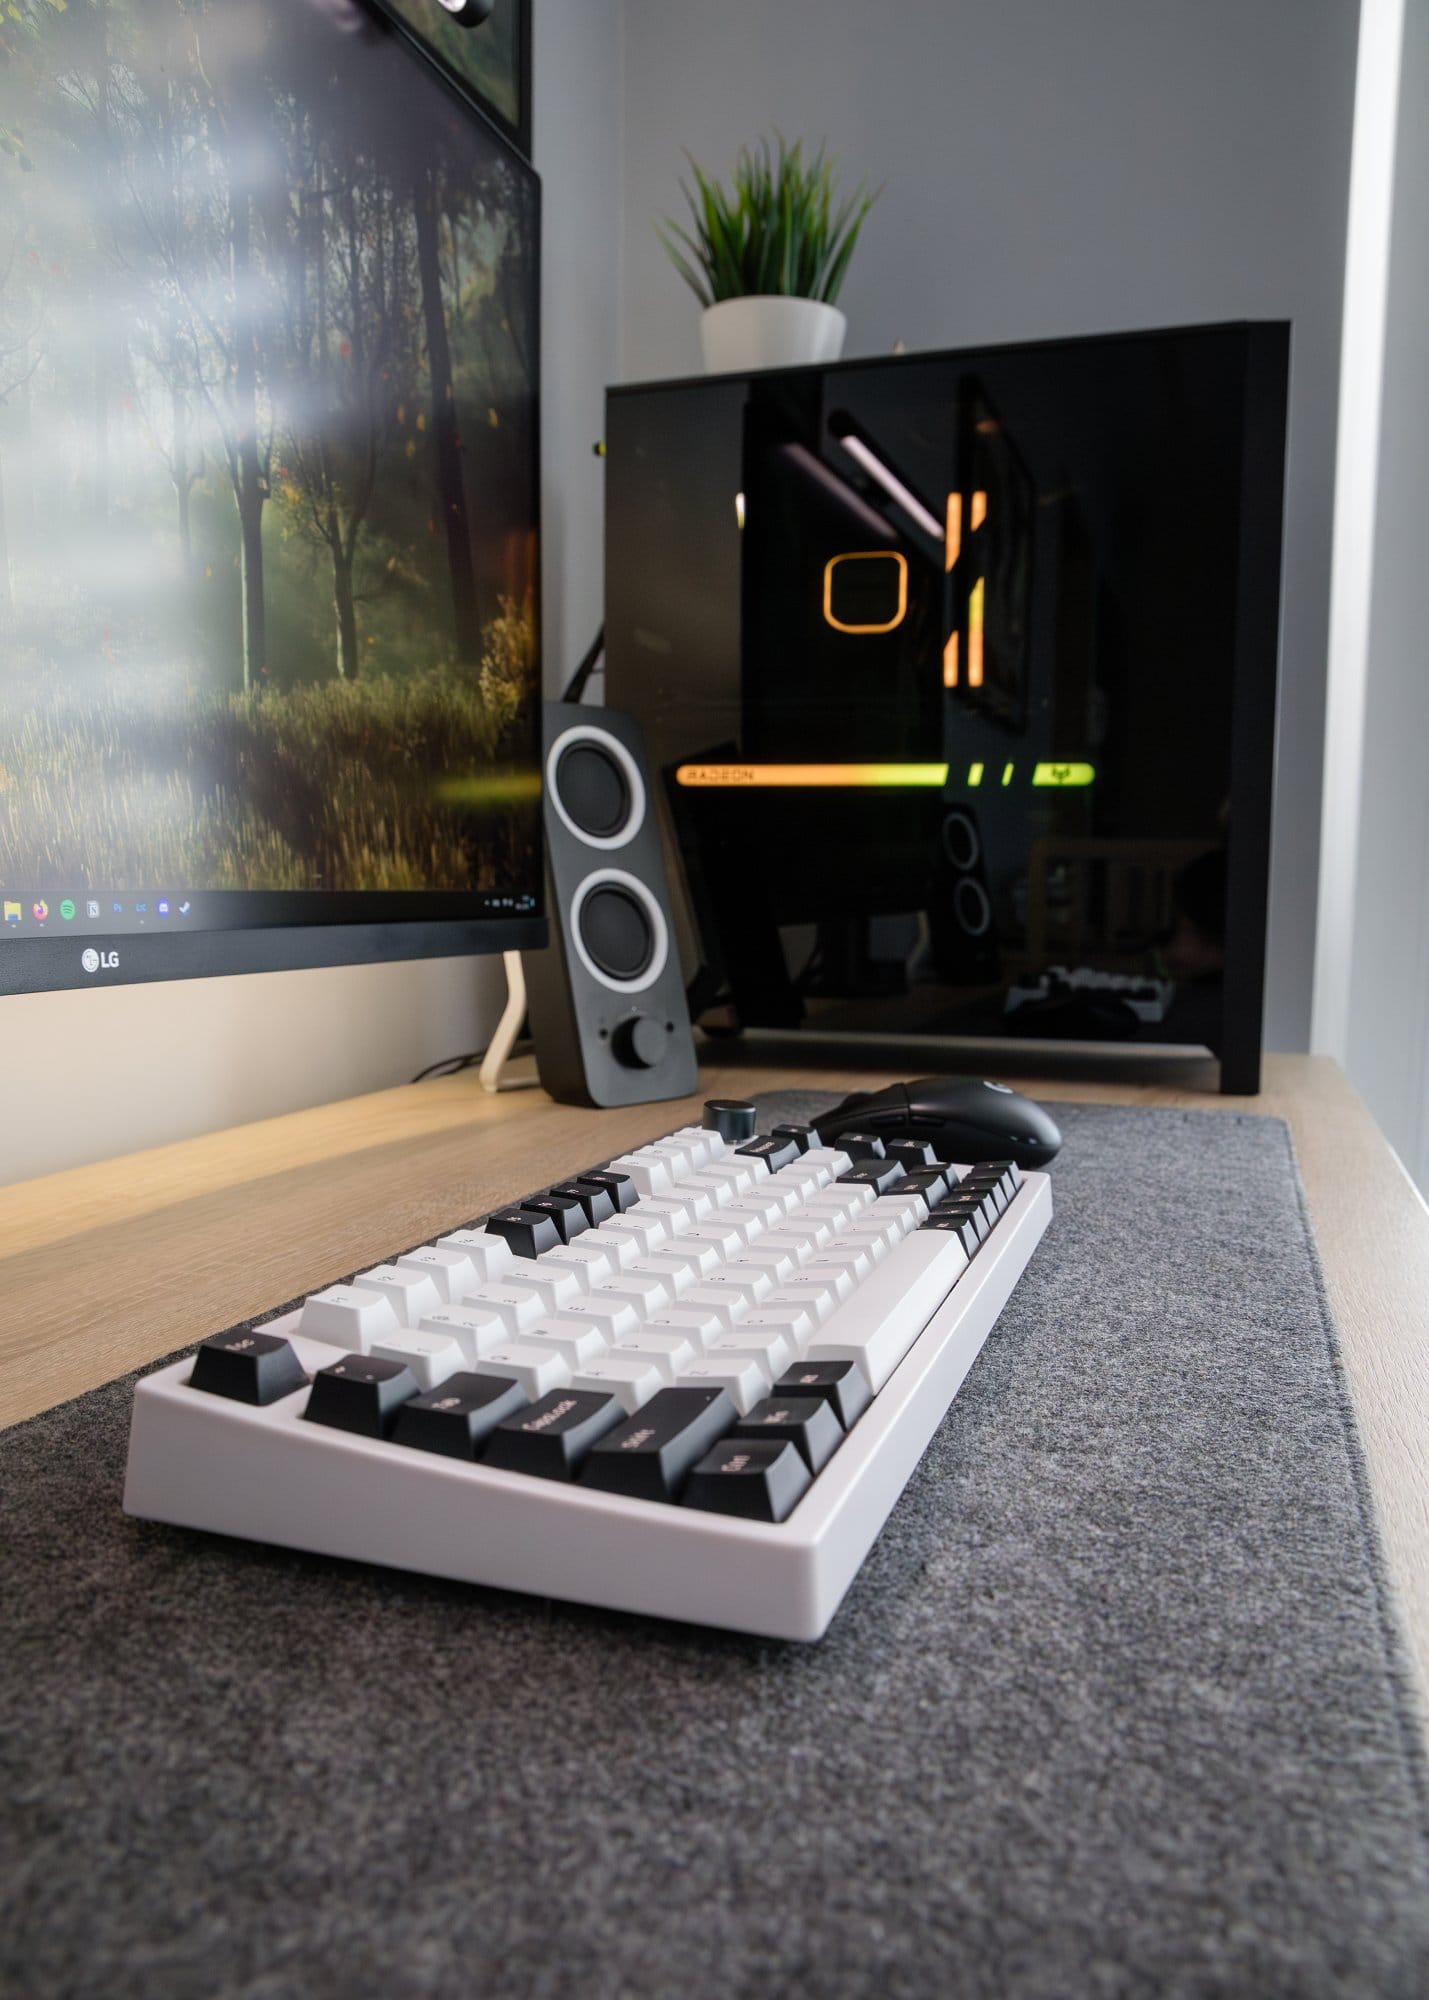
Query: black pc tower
point(959, 672)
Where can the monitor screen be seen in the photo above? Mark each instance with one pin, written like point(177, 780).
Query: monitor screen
point(269, 662)
point(948, 661)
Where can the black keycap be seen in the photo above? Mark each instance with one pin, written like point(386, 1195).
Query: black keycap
point(567, 1211)
point(841, 1383)
point(551, 1438)
point(762, 1479)
point(912, 1152)
point(988, 1189)
point(960, 1225)
point(361, 1394)
point(775, 1151)
point(457, 1418)
point(621, 1189)
point(881, 1175)
point(250, 1367)
point(598, 1202)
point(933, 1183)
point(803, 1136)
point(650, 1454)
point(810, 1423)
point(525, 1229)
point(975, 1202)
point(861, 1145)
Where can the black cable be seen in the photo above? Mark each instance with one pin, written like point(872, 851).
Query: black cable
point(576, 686)
point(454, 1065)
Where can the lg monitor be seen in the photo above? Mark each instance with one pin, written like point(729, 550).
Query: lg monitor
point(269, 661)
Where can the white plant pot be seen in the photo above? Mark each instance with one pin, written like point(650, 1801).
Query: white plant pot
point(769, 332)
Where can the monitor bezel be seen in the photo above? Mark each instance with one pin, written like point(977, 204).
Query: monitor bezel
point(56, 964)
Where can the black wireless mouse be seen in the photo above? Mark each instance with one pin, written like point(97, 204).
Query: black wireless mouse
point(965, 1118)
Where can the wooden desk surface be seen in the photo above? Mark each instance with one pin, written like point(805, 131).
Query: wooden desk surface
point(107, 1267)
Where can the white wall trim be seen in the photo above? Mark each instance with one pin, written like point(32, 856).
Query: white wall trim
point(1362, 343)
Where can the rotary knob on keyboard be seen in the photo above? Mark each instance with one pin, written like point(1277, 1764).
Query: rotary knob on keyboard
point(732, 1117)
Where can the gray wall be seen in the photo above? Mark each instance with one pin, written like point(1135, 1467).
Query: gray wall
point(1050, 169)
point(89, 1075)
point(1387, 1045)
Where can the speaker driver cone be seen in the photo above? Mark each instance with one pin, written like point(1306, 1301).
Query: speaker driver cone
point(616, 932)
point(594, 789)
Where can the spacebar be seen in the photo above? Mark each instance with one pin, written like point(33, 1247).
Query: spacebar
point(879, 1322)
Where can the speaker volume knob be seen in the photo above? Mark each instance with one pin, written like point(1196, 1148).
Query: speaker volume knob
point(732, 1117)
point(640, 1042)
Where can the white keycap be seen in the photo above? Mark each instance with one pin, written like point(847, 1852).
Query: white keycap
point(707, 1145)
point(827, 1161)
point(725, 1237)
point(910, 1209)
point(489, 1253)
point(475, 1329)
point(665, 1349)
point(553, 1284)
point(735, 1171)
point(796, 1179)
point(773, 1347)
point(518, 1305)
point(536, 1366)
point(673, 1270)
point(651, 1172)
point(796, 1319)
point(680, 1155)
point(590, 1262)
point(451, 1271)
point(698, 1201)
point(699, 1324)
point(430, 1356)
point(633, 1380)
point(817, 1296)
point(744, 1280)
point(839, 1260)
point(878, 1234)
point(727, 1302)
point(642, 1290)
point(676, 1213)
point(619, 1245)
point(879, 1323)
point(779, 1264)
point(763, 1206)
point(671, 1259)
point(842, 1201)
point(611, 1317)
point(411, 1292)
point(349, 1317)
point(799, 1243)
point(648, 1232)
point(580, 1342)
point(739, 1375)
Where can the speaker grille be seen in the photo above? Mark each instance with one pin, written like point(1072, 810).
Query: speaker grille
point(616, 932)
point(593, 790)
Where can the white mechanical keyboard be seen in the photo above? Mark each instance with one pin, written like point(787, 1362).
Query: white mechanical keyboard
point(692, 1383)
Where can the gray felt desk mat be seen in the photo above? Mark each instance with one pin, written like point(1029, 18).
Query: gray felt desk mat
point(1116, 1706)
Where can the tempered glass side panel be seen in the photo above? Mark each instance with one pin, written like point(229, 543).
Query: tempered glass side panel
point(938, 655)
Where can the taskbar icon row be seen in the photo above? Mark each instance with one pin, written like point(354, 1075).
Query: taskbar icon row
point(22, 912)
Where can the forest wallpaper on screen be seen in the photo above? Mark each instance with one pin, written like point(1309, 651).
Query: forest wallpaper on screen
point(267, 478)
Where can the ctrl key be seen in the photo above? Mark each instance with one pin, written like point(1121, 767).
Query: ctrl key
point(258, 1368)
point(361, 1394)
point(760, 1479)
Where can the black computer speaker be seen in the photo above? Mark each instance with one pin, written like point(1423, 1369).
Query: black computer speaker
point(607, 998)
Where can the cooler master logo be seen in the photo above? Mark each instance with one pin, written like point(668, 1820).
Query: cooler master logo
point(95, 961)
